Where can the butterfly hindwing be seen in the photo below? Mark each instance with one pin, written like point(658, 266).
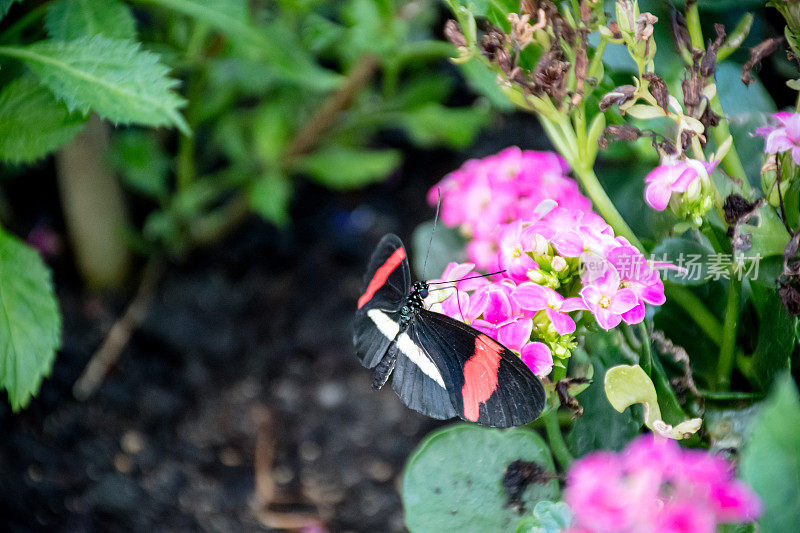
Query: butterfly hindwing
point(386, 286)
point(488, 384)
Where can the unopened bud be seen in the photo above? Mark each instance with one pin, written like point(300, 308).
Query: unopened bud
point(644, 26)
point(453, 33)
point(558, 263)
point(618, 96)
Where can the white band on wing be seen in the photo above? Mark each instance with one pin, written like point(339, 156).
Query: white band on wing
point(390, 328)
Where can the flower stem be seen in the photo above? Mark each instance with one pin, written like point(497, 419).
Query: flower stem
point(697, 311)
point(603, 203)
point(557, 444)
point(731, 162)
point(727, 349)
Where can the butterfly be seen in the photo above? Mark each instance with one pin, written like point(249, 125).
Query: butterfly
point(439, 366)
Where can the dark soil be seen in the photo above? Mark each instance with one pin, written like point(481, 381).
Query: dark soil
point(245, 354)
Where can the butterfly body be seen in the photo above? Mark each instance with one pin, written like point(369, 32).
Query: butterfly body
point(441, 367)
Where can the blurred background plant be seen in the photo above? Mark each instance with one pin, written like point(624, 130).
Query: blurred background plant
point(172, 120)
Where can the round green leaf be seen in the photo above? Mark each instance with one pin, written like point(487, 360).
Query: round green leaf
point(453, 481)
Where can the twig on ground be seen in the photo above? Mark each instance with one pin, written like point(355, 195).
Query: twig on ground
point(120, 333)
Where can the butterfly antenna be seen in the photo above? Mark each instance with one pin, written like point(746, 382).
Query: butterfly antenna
point(465, 279)
point(430, 239)
point(458, 301)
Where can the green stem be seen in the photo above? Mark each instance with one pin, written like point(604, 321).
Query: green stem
point(646, 357)
point(697, 311)
point(727, 349)
point(671, 410)
point(603, 204)
point(557, 444)
point(731, 162)
point(597, 59)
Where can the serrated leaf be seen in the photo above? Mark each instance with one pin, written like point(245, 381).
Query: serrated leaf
point(770, 461)
point(339, 167)
point(71, 19)
point(113, 77)
point(30, 324)
point(453, 481)
point(32, 122)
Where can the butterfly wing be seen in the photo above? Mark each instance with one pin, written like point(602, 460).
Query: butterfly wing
point(386, 286)
point(487, 383)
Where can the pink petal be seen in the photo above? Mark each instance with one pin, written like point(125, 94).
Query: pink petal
point(777, 141)
point(796, 154)
point(635, 315)
point(515, 333)
point(533, 297)
point(605, 318)
point(652, 292)
point(657, 196)
point(623, 301)
point(590, 296)
point(684, 180)
point(568, 244)
point(572, 304)
point(458, 308)
point(562, 322)
point(538, 358)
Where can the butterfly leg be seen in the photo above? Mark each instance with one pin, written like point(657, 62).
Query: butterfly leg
point(384, 369)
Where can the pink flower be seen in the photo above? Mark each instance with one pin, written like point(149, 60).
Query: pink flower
point(532, 297)
point(656, 486)
point(538, 358)
point(512, 255)
point(636, 274)
point(783, 137)
point(671, 177)
point(606, 300)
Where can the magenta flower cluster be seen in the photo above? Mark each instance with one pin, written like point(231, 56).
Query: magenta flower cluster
point(524, 216)
point(671, 177)
point(783, 136)
point(654, 485)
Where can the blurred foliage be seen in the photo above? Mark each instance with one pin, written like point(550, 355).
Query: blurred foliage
point(261, 93)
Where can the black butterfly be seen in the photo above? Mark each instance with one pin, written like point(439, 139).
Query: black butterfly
point(442, 367)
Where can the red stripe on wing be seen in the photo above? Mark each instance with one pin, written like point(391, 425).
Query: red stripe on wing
point(381, 275)
point(480, 375)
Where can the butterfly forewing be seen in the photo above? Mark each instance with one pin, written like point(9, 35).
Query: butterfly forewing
point(487, 382)
point(384, 291)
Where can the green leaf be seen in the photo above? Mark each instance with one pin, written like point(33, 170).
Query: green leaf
point(775, 341)
point(548, 517)
point(5, 5)
point(142, 163)
point(32, 122)
point(435, 124)
point(745, 108)
point(269, 196)
point(71, 19)
point(601, 427)
point(770, 461)
point(453, 481)
point(113, 77)
point(686, 253)
point(276, 42)
point(339, 167)
point(271, 128)
point(30, 324)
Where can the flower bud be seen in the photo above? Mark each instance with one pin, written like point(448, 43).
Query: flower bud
point(558, 263)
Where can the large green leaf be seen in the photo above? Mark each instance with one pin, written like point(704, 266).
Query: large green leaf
point(686, 253)
point(339, 167)
point(71, 19)
point(601, 427)
point(771, 459)
point(433, 124)
point(32, 122)
point(453, 481)
point(113, 77)
point(775, 341)
point(5, 5)
point(30, 324)
point(745, 108)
